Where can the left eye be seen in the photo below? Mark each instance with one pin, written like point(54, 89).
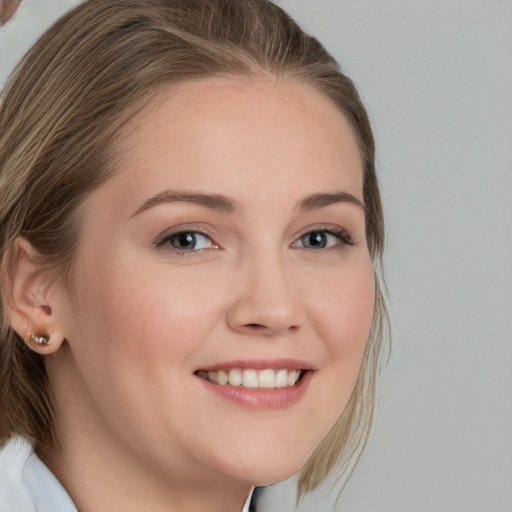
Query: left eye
point(321, 239)
point(189, 241)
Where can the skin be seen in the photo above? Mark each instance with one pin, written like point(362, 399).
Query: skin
point(138, 428)
point(7, 10)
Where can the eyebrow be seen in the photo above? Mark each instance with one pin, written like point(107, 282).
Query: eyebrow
point(211, 201)
point(320, 200)
point(226, 204)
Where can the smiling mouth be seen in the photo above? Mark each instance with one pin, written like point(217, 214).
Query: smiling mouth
point(252, 378)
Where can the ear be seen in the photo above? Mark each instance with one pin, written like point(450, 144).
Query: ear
point(32, 300)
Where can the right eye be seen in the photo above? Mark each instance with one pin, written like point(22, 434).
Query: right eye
point(187, 241)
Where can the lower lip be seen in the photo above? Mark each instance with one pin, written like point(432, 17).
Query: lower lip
point(257, 398)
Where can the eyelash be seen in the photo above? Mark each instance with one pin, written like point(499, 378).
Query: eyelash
point(343, 236)
point(167, 238)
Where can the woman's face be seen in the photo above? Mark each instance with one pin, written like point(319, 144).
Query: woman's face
point(230, 246)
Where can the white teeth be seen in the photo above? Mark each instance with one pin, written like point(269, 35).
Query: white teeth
point(293, 376)
point(250, 378)
point(219, 377)
point(267, 379)
point(235, 377)
point(281, 378)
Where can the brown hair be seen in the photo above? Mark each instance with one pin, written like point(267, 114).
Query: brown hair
point(60, 115)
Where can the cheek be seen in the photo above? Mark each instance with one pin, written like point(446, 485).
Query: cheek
point(348, 309)
point(145, 333)
point(343, 320)
point(155, 313)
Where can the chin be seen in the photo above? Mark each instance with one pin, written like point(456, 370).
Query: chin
point(267, 467)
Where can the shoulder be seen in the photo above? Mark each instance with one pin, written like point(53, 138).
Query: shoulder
point(26, 484)
point(13, 492)
point(280, 497)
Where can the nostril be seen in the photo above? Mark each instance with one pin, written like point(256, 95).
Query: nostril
point(256, 327)
point(267, 329)
point(264, 315)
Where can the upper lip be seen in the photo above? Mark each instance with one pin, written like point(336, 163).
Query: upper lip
point(259, 364)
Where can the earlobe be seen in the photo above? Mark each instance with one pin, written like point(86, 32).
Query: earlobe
point(30, 303)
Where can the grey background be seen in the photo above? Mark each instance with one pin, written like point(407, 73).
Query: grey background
point(436, 76)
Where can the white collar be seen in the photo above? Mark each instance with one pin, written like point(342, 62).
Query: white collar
point(248, 501)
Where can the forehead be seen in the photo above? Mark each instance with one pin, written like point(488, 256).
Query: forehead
point(232, 133)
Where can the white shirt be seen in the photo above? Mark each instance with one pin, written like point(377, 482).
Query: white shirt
point(27, 485)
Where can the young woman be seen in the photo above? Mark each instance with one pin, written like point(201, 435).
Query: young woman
point(191, 235)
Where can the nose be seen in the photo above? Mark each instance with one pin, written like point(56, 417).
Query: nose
point(267, 299)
